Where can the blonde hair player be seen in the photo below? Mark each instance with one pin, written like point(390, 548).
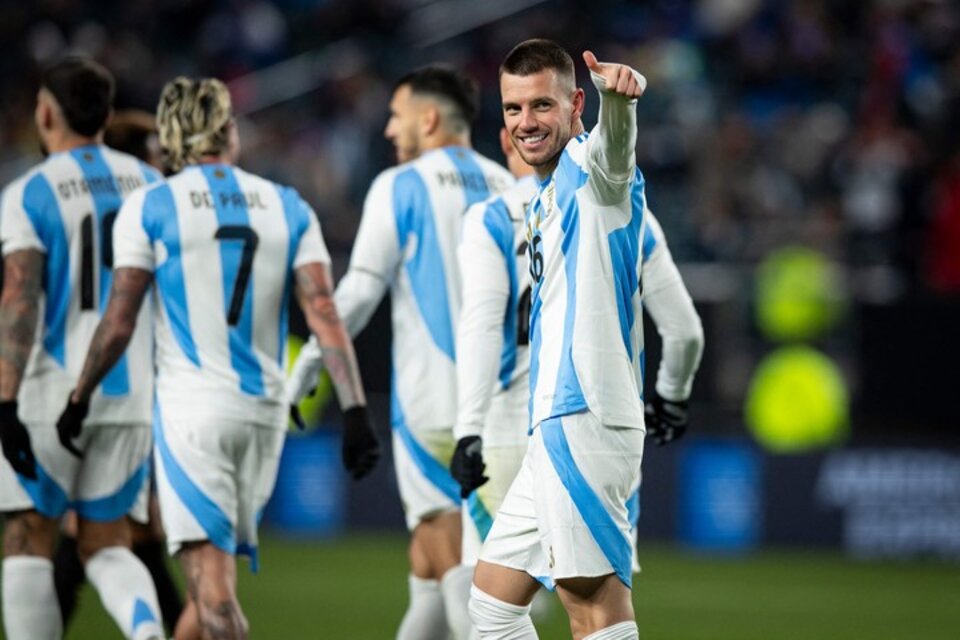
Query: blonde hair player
point(224, 249)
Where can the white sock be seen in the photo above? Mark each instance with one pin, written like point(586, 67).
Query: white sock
point(620, 631)
point(126, 591)
point(30, 609)
point(455, 587)
point(425, 618)
point(498, 620)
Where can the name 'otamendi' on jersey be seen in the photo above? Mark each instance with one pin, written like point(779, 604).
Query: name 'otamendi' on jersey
point(223, 244)
point(66, 208)
point(408, 238)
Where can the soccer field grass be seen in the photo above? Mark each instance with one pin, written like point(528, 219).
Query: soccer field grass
point(355, 588)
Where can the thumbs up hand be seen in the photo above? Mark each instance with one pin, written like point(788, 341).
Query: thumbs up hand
point(618, 78)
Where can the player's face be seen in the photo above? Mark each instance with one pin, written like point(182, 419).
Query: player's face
point(403, 126)
point(539, 112)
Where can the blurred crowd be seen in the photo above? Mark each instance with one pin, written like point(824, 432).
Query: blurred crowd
point(831, 123)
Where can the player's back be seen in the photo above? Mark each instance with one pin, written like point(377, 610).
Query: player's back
point(586, 329)
point(430, 196)
point(65, 207)
point(224, 269)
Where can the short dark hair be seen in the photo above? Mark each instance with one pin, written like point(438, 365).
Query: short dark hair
point(445, 82)
point(84, 91)
point(536, 55)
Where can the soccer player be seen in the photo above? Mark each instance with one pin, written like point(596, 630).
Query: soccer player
point(493, 359)
point(407, 244)
point(564, 520)
point(134, 132)
point(55, 224)
point(223, 247)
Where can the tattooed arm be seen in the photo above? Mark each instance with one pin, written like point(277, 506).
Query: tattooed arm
point(19, 305)
point(315, 293)
point(115, 329)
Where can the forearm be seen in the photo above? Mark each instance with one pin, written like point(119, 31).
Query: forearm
point(18, 325)
point(337, 353)
point(109, 342)
point(613, 141)
point(357, 297)
point(680, 328)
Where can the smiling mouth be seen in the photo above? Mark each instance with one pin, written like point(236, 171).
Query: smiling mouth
point(532, 141)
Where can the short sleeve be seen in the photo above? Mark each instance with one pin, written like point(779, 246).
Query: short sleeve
point(17, 229)
point(311, 247)
point(132, 244)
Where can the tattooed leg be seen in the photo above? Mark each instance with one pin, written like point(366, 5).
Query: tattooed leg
point(211, 582)
point(27, 533)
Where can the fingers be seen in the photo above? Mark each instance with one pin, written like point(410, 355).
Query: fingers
point(592, 63)
point(26, 465)
point(365, 463)
point(69, 446)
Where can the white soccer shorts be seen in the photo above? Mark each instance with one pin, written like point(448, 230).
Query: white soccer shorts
point(480, 509)
point(566, 513)
point(421, 460)
point(109, 482)
point(214, 476)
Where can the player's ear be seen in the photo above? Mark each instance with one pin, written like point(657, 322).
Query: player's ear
point(578, 103)
point(429, 119)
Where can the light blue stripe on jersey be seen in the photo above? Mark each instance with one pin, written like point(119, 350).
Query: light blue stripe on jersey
point(41, 206)
point(602, 526)
point(118, 504)
point(48, 497)
point(411, 205)
point(633, 509)
point(150, 175)
point(624, 257)
point(107, 202)
point(295, 214)
point(475, 187)
point(160, 224)
point(500, 227)
point(438, 475)
point(480, 516)
point(536, 337)
point(568, 396)
point(208, 513)
point(649, 242)
point(231, 207)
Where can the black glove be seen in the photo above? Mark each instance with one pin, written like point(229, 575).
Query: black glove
point(70, 424)
point(361, 448)
point(297, 417)
point(467, 465)
point(666, 419)
point(16, 441)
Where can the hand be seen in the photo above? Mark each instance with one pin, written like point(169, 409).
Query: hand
point(16, 441)
point(297, 418)
point(666, 419)
point(620, 79)
point(361, 448)
point(70, 424)
point(467, 465)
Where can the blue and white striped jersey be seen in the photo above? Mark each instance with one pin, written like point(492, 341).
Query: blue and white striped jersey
point(493, 359)
point(66, 207)
point(407, 241)
point(223, 245)
point(584, 231)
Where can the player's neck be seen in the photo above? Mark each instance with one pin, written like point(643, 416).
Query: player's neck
point(446, 139)
point(68, 141)
point(543, 171)
point(222, 158)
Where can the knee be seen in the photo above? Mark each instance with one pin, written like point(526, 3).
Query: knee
point(495, 619)
point(27, 533)
point(94, 538)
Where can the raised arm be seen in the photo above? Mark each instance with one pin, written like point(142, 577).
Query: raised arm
point(611, 155)
point(361, 448)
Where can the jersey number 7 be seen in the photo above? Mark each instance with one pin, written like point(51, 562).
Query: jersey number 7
point(250, 241)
